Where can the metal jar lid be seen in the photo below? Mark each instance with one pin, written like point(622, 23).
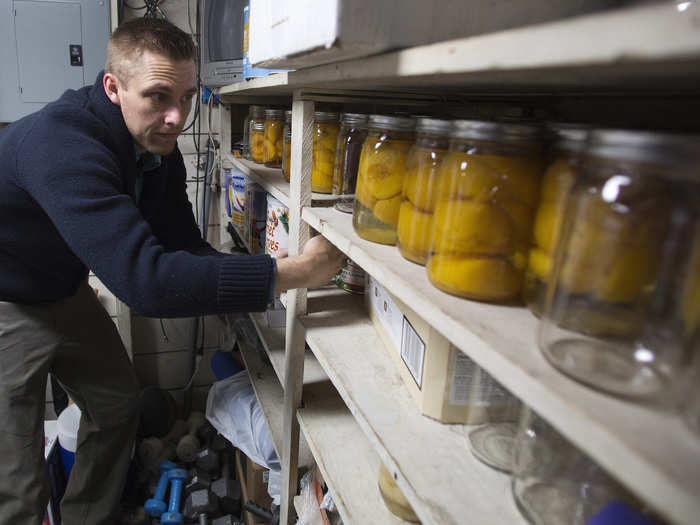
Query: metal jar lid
point(645, 146)
point(325, 116)
point(568, 137)
point(353, 119)
point(257, 111)
point(258, 126)
point(392, 123)
point(274, 114)
point(496, 131)
point(433, 126)
point(288, 115)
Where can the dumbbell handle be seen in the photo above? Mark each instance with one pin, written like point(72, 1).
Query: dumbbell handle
point(175, 492)
point(162, 486)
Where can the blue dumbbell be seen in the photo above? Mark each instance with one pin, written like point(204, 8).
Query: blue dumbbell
point(156, 505)
point(177, 477)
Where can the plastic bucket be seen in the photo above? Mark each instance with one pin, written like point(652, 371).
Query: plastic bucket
point(68, 423)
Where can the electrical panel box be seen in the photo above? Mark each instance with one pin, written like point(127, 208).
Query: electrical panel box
point(47, 47)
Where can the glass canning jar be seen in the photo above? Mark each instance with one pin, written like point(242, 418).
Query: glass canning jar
point(414, 230)
point(353, 131)
point(257, 141)
point(272, 147)
point(256, 115)
point(553, 482)
point(562, 170)
point(485, 201)
point(380, 177)
point(326, 130)
point(287, 146)
point(614, 316)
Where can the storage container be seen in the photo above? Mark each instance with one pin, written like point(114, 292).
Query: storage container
point(326, 130)
point(257, 141)
point(553, 482)
point(615, 316)
point(287, 146)
point(380, 177)
point(558, 179)
point(414, 230)
point(256, 116)
point(485, 202)
point(272, 147)
point(353, 131)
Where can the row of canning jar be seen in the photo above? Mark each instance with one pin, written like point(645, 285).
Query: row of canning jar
point(597, 229)
point(601, 232)
point(552, 481)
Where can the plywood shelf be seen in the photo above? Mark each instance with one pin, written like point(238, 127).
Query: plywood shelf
point(639, 48)
point(648, 450)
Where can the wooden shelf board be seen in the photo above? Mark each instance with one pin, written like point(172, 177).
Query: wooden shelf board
point(346, 459)
point(649, 450)
point(273, 342)
point(429, 459)
point(272, 181)
point(270, 396)
point(639, 47)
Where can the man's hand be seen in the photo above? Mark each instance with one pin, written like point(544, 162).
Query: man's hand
point(317, 264)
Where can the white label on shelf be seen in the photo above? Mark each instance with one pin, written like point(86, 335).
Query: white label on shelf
point(388, 312)
point(471, 385)
point(412, 351)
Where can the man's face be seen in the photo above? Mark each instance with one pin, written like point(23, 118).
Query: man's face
point(156, 100)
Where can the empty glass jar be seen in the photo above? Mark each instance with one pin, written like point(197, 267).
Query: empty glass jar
point(326, 129)
point(414, 230)
point(559, 177)
point(553, 482)
point(353, 131)
point(272, 147)
point(287, 146)
point(614, 316)
point(484, 205)
point(380, 177)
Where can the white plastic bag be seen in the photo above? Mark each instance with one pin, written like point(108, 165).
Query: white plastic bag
point(233, 410)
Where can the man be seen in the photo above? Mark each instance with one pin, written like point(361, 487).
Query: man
point(95, 180)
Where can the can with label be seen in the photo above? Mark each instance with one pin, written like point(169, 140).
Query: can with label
point(351, 278)
point(277, 232)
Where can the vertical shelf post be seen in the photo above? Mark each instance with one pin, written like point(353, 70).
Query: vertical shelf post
point(295, 340)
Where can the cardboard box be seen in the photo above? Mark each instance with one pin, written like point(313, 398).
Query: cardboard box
point(253, 486)
point(444, 382)
point(311, 32)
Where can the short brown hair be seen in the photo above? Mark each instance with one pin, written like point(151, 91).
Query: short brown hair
point(132, 38)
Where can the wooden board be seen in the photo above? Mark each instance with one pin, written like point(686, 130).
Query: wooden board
point(270, 395)
point(272, 180)
point(650, 451)
point(641, 48)
point(346, 459)
point(430, 461)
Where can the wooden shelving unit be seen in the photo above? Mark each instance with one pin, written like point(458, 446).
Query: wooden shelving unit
point(350, 396)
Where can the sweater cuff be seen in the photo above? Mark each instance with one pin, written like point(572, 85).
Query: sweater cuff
point(245, 283)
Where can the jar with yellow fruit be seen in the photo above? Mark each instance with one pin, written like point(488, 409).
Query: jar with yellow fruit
point(326, 128)
point(256, 115)
point(380, 177)
point(287, 145)
point(562, 169)
point(257, 141)
point(485, 201)
point(414, 230)
point(614, 317)
point(272, 146)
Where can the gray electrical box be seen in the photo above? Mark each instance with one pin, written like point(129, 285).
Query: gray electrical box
point(46, 47)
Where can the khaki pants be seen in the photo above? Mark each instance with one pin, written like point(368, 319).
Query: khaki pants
point(75, 340)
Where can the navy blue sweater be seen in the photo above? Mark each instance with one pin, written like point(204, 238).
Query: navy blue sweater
point(67, 175)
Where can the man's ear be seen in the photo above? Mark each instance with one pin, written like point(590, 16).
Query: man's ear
point(112, 87)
